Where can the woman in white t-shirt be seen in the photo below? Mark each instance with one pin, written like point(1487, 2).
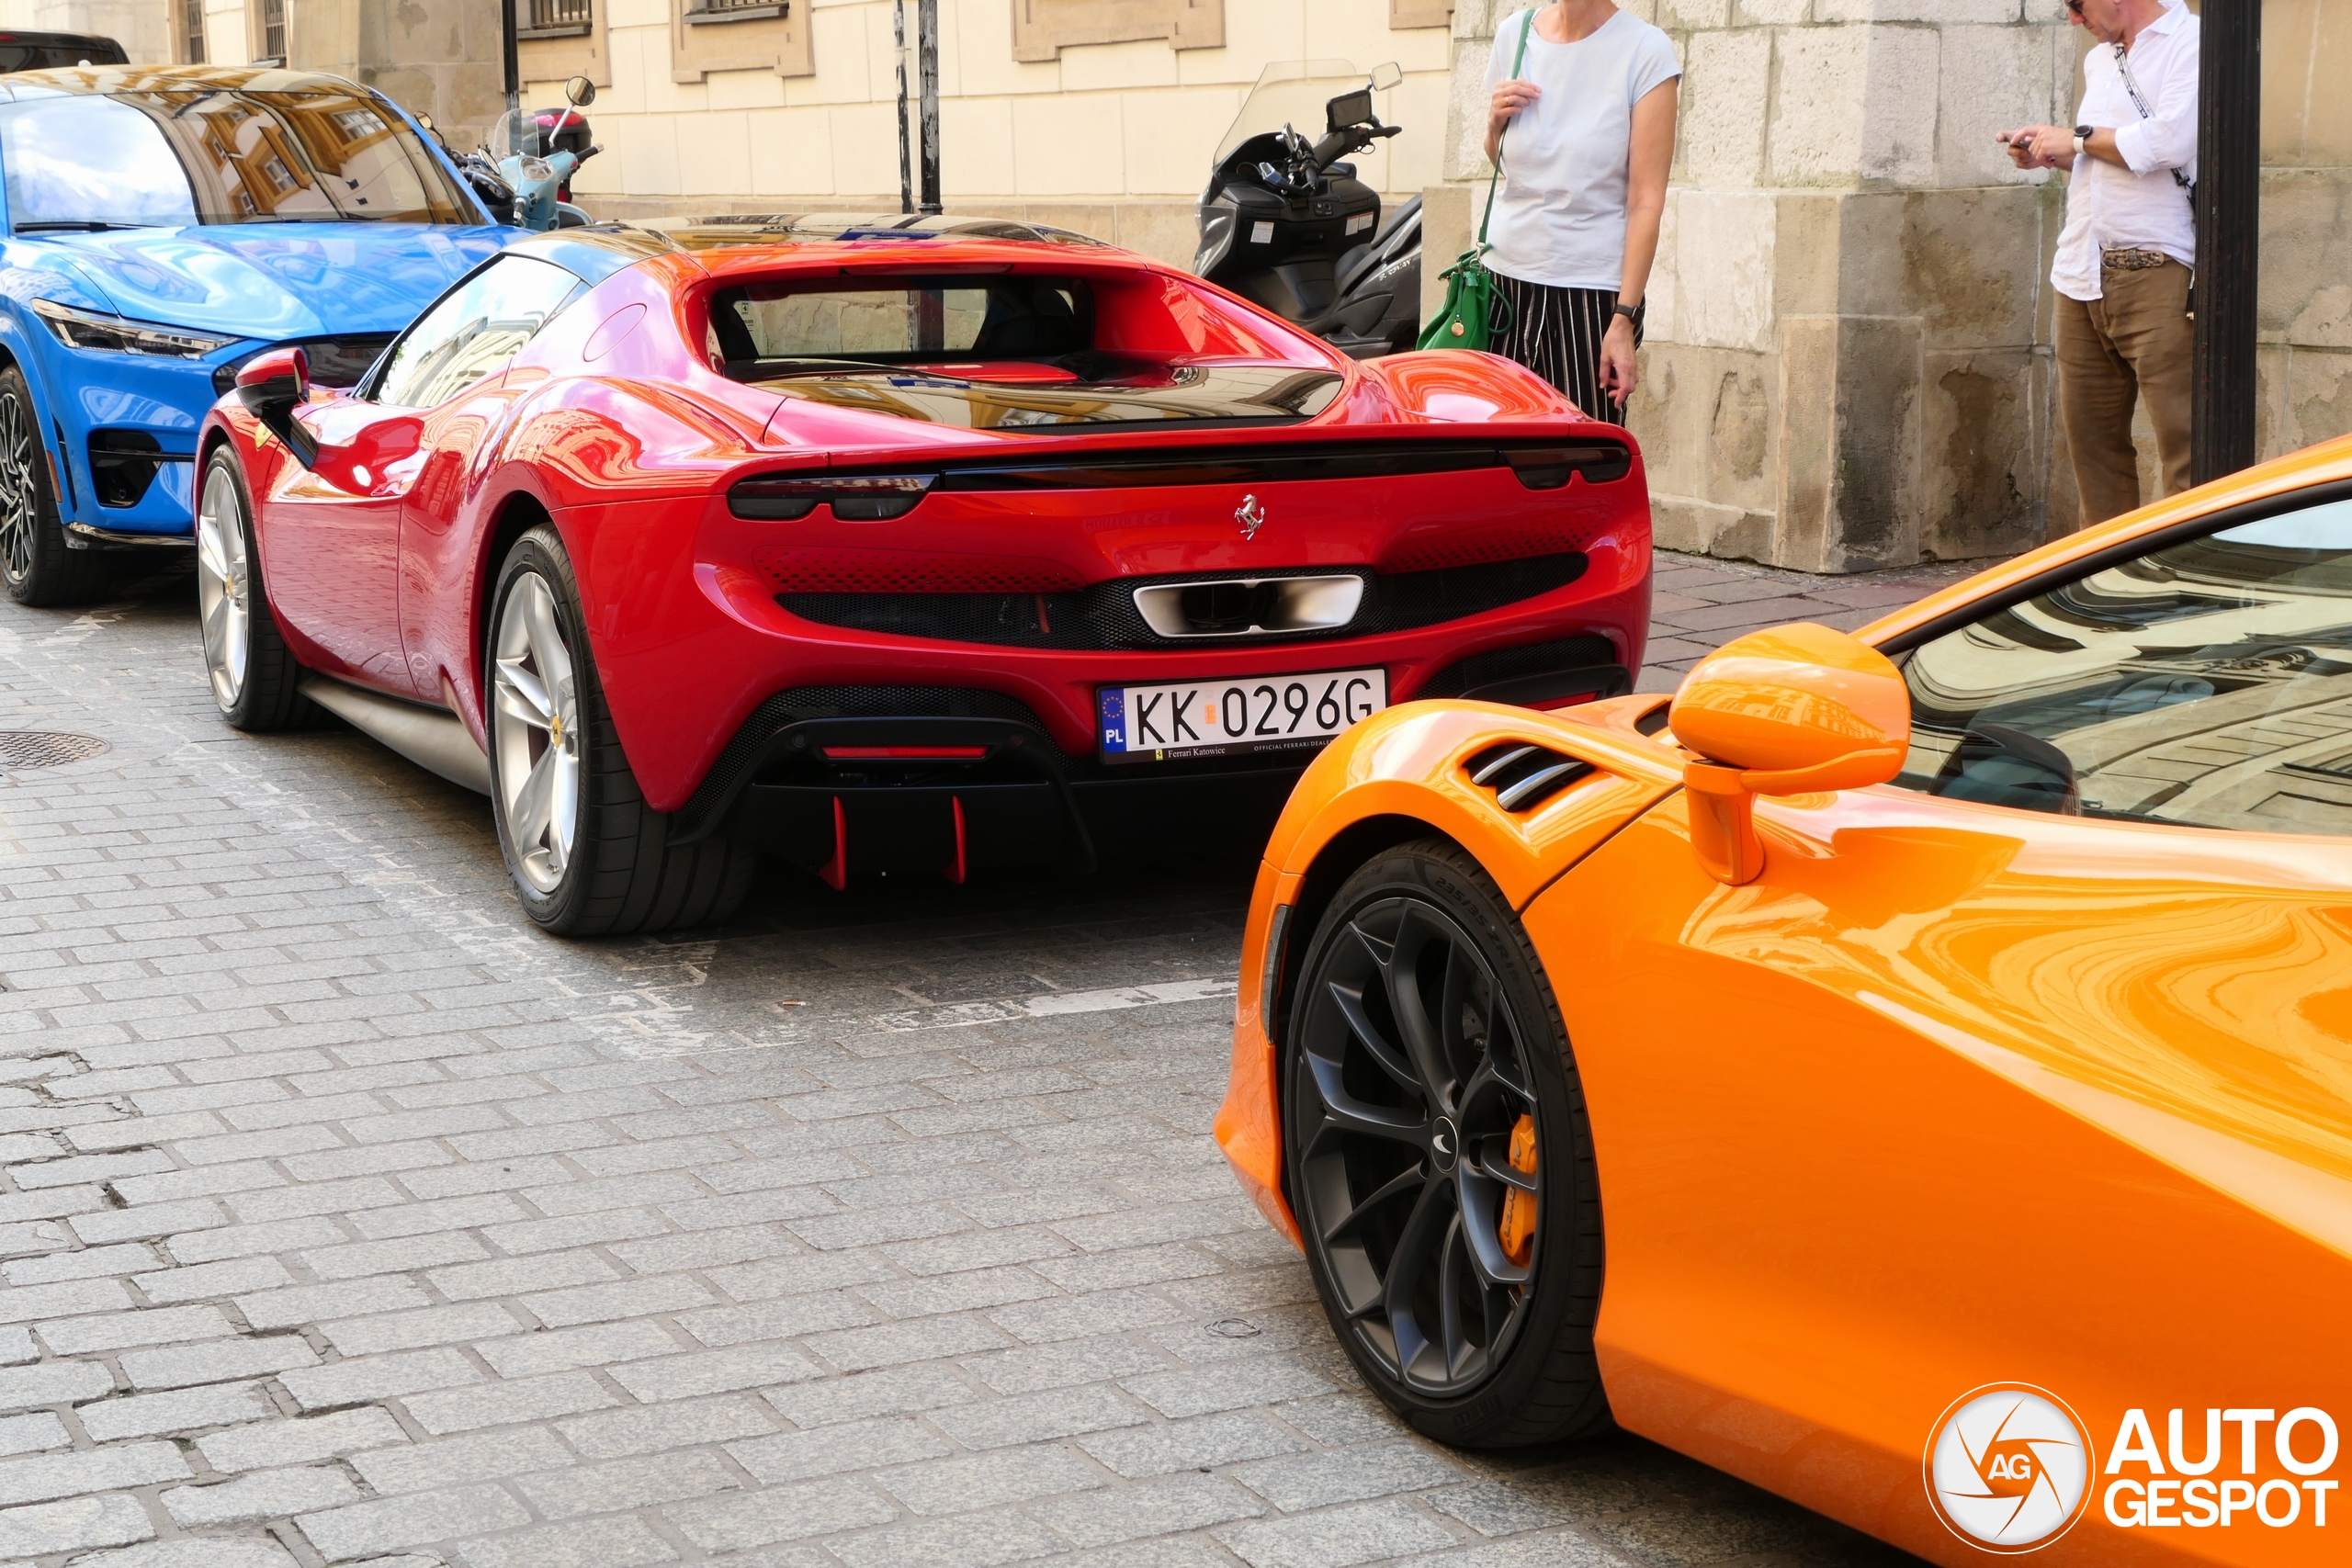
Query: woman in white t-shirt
point(1591, 118)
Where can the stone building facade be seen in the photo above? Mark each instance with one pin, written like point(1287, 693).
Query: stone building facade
point(1098, 114)
point(1849, 359)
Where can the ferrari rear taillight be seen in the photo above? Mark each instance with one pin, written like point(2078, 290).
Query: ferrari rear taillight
point(1548, 467)
point(875, 498)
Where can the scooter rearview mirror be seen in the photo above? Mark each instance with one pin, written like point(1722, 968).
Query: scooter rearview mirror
point(580, 91)
point(1386, 77)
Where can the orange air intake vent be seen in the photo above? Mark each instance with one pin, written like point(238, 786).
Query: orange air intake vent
point(910, 571)
point(1436, 550)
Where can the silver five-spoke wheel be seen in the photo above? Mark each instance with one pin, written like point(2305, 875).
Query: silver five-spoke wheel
point(535, 727)
point(223, 586)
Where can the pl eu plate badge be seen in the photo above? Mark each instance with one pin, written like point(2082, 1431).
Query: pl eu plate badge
point(1114, 718)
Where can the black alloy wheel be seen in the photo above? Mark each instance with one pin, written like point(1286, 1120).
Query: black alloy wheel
point(35, 564)
point(1439, 1158)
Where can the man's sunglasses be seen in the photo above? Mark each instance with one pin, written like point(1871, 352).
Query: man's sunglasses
point(2075, 6)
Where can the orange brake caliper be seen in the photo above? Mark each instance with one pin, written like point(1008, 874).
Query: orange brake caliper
point(1517, 1231)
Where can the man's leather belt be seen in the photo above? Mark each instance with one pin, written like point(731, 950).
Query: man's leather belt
point(2131, 261)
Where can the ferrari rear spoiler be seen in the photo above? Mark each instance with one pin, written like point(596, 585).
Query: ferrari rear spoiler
point(1539, 464)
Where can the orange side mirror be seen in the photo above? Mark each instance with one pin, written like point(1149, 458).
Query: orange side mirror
point(1789, 711)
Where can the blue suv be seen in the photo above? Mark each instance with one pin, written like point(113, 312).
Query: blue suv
point(163, 225)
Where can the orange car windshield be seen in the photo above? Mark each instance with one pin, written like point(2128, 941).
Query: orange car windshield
point(2208, 682)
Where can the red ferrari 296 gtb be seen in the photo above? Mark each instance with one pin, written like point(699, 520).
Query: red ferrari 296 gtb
point(926, 545)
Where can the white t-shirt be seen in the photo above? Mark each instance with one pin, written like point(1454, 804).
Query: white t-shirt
point(1560, 216)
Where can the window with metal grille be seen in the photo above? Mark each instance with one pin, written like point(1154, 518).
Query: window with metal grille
point(559, 17)
point(192, 32)
point(272, 30)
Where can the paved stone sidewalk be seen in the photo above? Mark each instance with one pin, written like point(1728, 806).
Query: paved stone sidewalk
point(1697, 604)
point(346, 1221)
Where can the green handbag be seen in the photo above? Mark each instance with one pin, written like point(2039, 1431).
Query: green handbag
point(1466, 320)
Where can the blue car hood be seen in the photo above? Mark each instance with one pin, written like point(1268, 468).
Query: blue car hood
point(275, 280)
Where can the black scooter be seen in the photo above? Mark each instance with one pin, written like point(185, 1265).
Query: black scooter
point(1285, 223)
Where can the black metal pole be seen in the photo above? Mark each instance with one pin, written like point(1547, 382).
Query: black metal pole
point(2229, 240)
point(906, 148)
point(511, 54)
point(927, 48)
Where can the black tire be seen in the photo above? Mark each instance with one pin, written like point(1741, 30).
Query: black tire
point(255, 677)
point(35, 565)
point(1396, 1228)
point(619, 873)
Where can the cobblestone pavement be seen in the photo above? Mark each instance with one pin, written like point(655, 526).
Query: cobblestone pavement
point(347, 1220)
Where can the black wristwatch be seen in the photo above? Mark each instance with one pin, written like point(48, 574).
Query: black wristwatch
point(2082, 135)
point(1631, 312)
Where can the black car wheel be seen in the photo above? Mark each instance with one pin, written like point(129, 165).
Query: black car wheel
point(588, 856)
point(34, 562)
point(1439, 1158)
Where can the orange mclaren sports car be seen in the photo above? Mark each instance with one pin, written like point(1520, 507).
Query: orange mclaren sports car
point(1912, 1070)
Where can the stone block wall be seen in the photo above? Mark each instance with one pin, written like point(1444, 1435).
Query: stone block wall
point(1849, 362)
point(2306, 298)
point(433, 57)
point(141, 26)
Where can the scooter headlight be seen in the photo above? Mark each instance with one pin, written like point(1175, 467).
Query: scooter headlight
point(91, 329)
point(537, 169)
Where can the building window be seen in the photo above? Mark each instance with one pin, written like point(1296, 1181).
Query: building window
point(1403, 13)
point(191, 30)
point(556, 39)
point(753, 35)
point(273, 30)
point(558, 18)
point(1043, 29)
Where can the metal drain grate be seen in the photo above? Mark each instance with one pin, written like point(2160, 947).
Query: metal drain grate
point(33, 748)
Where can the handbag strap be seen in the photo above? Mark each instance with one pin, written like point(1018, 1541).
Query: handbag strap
point(1496, 178)
point(2139, 102)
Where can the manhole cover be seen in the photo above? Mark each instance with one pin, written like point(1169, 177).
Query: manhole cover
point(33, 748)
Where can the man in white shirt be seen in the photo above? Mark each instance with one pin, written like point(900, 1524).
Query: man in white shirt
point(2128, 253)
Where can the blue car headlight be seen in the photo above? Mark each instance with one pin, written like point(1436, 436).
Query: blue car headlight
point(92, 329)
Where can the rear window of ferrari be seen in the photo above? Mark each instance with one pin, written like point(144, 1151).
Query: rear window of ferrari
point(766, 328)
point(1010, 351)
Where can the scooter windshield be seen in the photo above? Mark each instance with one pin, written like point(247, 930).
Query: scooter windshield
point(1292, 93)
point(530, 132)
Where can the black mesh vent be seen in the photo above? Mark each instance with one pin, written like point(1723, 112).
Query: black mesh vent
point(1510, 664)
point(742, 753)
point(1104, 616)
point(123, 464)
